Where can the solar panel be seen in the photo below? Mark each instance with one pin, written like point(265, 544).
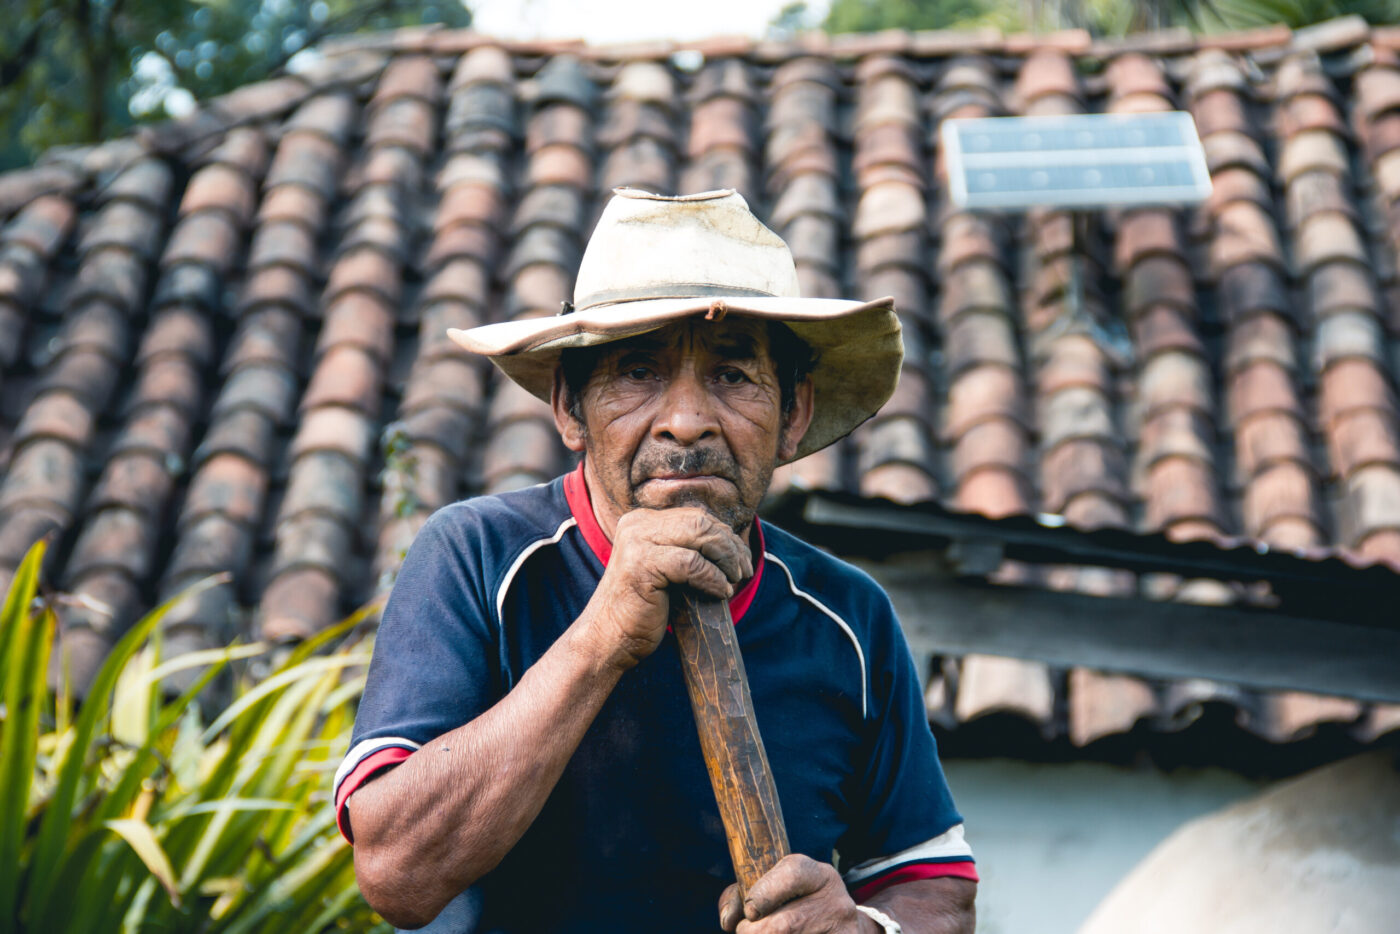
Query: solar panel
point(1077, 161)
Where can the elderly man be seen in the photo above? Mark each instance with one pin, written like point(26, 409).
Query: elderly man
point(525, 758)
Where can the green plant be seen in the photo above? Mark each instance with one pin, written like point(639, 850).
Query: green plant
point(130, 813)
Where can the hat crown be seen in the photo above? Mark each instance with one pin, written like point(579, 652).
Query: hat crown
point(648, 246)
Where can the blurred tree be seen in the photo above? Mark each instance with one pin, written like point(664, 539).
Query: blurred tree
point(75, 71)
point(792, 19)
point(872, 15)
point(1102, 17)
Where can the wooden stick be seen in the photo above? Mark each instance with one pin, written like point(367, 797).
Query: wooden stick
point(729, 738)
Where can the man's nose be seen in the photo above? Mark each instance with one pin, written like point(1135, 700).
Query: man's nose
point(687, 413)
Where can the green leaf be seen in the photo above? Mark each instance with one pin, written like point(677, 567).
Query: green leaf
point(308, 648)
point(142, 839)
point(140, 797)
point(276, 683)
point(58, 816)
point(187, 809)
point(265, 764)
point(28, 636)
point(131, 699)
point(204, 657)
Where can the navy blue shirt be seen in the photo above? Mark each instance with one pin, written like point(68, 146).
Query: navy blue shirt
point(631, 838)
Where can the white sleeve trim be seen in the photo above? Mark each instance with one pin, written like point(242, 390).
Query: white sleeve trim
point(850, 633)
point(564, 526)
point(363, 750)
point(949, 846)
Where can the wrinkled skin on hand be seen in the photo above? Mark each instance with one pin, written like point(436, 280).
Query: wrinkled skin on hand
point(654, 549)
point(797, 895)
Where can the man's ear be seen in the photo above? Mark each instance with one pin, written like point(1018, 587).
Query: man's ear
point(571, 429)
point(797, 420)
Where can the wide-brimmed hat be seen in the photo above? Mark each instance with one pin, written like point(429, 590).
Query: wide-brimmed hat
point(654, 260)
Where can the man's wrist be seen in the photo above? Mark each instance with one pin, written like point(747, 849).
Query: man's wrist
point(586, 641)
point(879, 922)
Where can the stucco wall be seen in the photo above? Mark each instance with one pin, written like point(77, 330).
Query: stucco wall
point(1052, 840)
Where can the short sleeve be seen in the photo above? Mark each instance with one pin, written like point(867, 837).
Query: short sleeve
point(435, 662)
point(904, 823)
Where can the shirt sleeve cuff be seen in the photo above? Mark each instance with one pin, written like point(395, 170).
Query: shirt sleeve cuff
point(960, 869)
point(367, 767)
point(944, 855)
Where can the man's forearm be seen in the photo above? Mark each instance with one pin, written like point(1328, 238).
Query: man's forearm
point(930, 906)
point(432, 826)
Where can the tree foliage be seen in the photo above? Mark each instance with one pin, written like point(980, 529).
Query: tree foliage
point(76, 71)
point(872, 15)
point(1101, 17)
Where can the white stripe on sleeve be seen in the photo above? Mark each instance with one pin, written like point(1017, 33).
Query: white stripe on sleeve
point(363, 750)
point(949, 846)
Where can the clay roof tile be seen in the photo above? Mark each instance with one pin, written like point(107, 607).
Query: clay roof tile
point(408, 76)
point(1136, 73)
point(298, 604)
point(644, 81)
point(126, 225)
point(42, 225)
point(114, 539)
point(331, 114)
point(140, 481)
point(1267, 439)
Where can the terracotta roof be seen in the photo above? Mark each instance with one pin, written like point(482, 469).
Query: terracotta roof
point(222, 340)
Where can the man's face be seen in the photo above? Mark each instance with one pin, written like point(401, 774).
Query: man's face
point(690, 415)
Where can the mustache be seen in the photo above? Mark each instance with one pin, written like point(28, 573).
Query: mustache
point(711, 461)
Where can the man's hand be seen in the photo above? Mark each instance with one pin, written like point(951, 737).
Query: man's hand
point(654, 549)
point(797, 895)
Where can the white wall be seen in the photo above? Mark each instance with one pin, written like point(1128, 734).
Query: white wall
point(1052, 840)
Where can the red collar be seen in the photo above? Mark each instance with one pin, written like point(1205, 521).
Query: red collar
point(581, 505)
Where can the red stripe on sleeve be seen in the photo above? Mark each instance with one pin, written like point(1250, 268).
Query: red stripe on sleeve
point(369, 766)
point(963, 869)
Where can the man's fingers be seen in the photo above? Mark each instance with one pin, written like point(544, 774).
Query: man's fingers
point(729, 554)
point(699, 530)
point(795, 876)
point(731, 908)
point(683, 566)
point(694, 528)
point(807, 916)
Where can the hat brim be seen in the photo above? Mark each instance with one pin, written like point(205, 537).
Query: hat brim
point(858, 346)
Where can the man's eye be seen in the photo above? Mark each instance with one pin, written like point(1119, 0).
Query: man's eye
point(638, 372)
point(733, 377)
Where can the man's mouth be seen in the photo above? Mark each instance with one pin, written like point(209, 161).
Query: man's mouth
point(687, 479)
point(685, 468)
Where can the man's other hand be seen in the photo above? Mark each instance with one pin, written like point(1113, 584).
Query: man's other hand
point(797, 895)
point(653, 550)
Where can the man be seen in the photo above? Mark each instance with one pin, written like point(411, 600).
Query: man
point(525, 757)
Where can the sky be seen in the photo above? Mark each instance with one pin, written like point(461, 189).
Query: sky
point(627, 20)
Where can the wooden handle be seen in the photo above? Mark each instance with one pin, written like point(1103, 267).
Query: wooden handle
point(729, 738)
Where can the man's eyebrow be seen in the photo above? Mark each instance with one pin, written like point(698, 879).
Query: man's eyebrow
point(640, 345)
point(738, 347)
point(624, 354)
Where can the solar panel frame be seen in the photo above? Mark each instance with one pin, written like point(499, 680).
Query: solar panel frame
point(1117, 160)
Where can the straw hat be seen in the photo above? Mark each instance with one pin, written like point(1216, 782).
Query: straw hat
point(654, 260)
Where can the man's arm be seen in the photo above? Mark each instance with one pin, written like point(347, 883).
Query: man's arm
point(931, 906)
point(428, 829)
point(801, 894)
